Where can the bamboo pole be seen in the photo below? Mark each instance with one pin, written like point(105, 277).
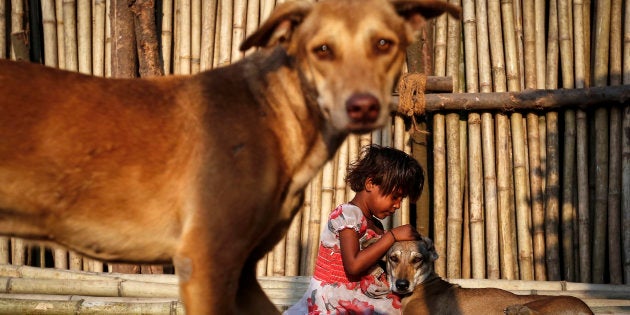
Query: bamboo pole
point(195, 36)
point(3, 38)
point(238, 28)
point(314, 223)
point(185, 40)
point(600, 74)
point(439, 190)
point(61, 54)
point(614, 177)
point(84, 36)
point(625, 163)
point(568, 206)
point(340, 176)
point(70, 37)
point(108, 41)
point(466, 268)
point(253, 17)
point(50, 34)
point(454, 209)
point(98, 37)
point(208, 30)
point(167, 36)
point(225, 33)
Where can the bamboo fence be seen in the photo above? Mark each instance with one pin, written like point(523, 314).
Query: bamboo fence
point(518, 189)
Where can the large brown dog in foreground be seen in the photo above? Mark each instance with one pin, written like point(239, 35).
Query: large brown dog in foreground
point(410, 272)
point(205, 170)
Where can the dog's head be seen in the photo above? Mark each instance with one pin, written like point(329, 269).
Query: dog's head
point(350, 52)
point(409, 263)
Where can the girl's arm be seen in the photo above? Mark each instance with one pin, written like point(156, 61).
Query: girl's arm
point(356, 261)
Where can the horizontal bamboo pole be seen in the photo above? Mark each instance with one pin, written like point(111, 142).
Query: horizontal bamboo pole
point(529, 100)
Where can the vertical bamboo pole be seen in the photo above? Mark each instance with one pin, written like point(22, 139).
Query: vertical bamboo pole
point(305, 236)
point(292, 261)
point(50, 33)
point(70, 35)
point(108, 42)
point(238, 28)
point(552, 174)
point(614, 176)
point(475, 178)
point(583, 264)
point(61, 54)
point(167, 35)
point(466, 271)
point(253, 16)
point(84, 36)
point(225, 35)
point(279, 254)
point(602, 29)
point(208, 30)
point(399, 143)
point(3, 40)
point(195, 36)
point(454, 181)
point(439, 153)
point(98, 38)
point(183, 31)
point(491, 237)
point(340, 177)
point(315, 223)
point(625, 163)
point(439, 202)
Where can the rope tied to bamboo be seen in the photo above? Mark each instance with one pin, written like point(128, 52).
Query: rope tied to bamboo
point(411, 89)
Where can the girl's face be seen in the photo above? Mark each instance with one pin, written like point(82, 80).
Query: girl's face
point(382, 206)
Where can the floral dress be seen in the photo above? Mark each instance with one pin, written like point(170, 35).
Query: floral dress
point(331, 290)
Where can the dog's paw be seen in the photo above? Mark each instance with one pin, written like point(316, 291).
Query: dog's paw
point(518, 309)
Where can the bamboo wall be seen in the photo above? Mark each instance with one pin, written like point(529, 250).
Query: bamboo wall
point(510, 195)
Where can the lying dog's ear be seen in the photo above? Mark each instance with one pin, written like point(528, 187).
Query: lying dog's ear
point(431, 252)
point(278, 28)
point(418, 11)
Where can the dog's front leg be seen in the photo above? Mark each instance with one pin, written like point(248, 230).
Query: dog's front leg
point(208, 276)
point(252, 298)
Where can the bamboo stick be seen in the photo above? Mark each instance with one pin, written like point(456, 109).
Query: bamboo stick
point(537, 205)
point(238, 28)
point(454, 215)
point(253, 17)
point(3, 31)
point(195, 36)
point(70, 37)
point(84, 37)
point(614, 177)
point(98, 38)
point(61, 55)
point(314, 223)
point(602, 29)
point(292, 261)
point(50, 34)
point(18, 39)
point(225, 33)
point(208, 30)
point(108, 41)
point(466, 268)
point(279, 255)
point(568, 206)
point(625, 163)
point(529, 42)
point(439, 202)
point(167, 36)
point(340, 176)
point(184, 32)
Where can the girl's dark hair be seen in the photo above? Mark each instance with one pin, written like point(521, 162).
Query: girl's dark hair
point(391, 169)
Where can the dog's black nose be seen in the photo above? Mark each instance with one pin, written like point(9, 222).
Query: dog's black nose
point(363, 108)
point(402, 285)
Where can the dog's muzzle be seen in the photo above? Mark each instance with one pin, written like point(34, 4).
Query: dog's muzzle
point(363, 108)
point(402, 285)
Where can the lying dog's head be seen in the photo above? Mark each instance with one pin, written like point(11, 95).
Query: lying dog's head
point(409, 263)
point(350, 52)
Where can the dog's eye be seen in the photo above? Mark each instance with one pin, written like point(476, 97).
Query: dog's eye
point(383, 45)
point(393, 259)
point(323, 52)
point(416, 260)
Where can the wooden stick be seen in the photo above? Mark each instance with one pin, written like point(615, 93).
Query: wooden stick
point(3, 30)
point(167, 35)
point(50, 33)
point(614, 175)
point(439, 191)
point(552, 199)
point(84, 36)
point(537, 205)
point(455, 211)
point(568, 206)
point(208, 30)
point(98, 37)
point(536, 100)
point(238, 28)
point(602, 28)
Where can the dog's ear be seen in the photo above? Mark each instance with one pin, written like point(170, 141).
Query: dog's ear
point(432, 253)
point(278, 28)
point(416, 12)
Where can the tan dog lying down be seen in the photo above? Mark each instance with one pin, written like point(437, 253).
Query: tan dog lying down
point(205, 170)
point(410, 272)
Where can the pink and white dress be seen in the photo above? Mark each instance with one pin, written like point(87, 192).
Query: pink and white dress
point(331, 290)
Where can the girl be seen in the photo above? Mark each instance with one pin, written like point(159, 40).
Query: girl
point(346, 279)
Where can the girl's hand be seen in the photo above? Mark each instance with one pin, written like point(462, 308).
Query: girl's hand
point(405, 233)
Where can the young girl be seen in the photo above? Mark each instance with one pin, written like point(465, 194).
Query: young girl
point(346, 280)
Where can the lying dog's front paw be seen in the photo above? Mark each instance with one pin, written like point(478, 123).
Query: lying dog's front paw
point(518, 309)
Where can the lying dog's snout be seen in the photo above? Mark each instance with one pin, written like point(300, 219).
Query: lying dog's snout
point(402, 285)
point(363, 108)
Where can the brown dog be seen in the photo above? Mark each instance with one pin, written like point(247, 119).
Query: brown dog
point(205, 170)
point(410, 272)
